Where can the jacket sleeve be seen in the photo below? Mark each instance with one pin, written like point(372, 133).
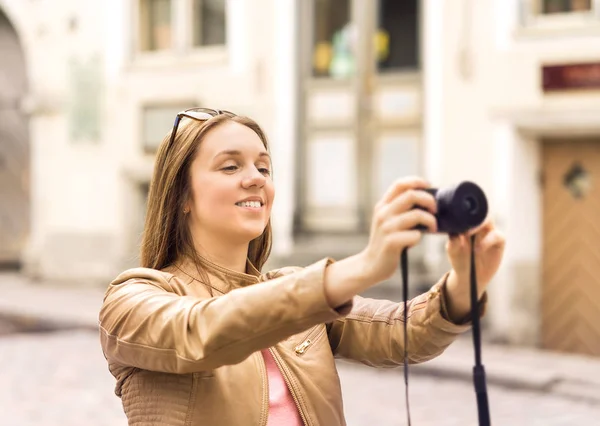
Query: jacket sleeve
point(373, 332)
point(144, 324)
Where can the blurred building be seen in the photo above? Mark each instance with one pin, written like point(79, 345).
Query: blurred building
point(352, 93)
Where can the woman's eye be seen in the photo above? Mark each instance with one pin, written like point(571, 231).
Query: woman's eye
point(230, 168)
point(265, 171)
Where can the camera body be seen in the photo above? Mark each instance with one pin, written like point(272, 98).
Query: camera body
point(459, 208)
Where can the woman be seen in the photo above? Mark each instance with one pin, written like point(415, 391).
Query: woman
point(198, 336)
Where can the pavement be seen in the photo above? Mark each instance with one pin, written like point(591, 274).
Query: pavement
point(61, 379)
point(38, 307)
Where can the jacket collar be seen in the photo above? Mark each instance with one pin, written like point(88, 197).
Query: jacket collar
point(220, 278)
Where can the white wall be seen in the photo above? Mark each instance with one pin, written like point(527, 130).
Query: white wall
point(283, 137)
point(70, 180)
point(84, 192)
point(493, 117)
point(254, 76)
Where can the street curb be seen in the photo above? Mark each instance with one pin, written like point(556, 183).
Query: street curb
point(19, 322)
point(551, 384)
point(506, 381)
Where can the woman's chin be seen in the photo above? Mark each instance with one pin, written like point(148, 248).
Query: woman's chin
point(250, 233)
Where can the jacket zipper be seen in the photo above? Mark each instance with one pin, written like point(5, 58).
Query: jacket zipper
point(264, 415)
point(312, 336)
point(291, 386)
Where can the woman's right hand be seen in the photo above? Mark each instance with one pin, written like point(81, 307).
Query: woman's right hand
point(392, 228)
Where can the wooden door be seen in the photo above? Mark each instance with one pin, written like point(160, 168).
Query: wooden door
point(571, 246)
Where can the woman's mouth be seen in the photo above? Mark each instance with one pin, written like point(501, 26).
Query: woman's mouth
point(249, 204)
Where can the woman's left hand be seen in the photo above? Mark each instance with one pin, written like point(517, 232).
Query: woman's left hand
point(489, 249)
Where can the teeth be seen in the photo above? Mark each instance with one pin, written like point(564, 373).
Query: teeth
point(255, 204)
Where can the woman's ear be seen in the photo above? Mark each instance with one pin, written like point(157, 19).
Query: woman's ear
point(187, 206)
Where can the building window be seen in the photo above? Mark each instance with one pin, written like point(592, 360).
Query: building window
point(397, 36)
point(565, 6)
point(558, 16)
point(180, 25)
point(332, 54)
point(157, 122)
point(155, 25)
point(209, 23)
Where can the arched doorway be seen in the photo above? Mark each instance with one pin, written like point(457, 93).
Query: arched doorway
point(14, 148)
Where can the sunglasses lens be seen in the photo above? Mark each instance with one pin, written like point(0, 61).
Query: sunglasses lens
point(199, 115)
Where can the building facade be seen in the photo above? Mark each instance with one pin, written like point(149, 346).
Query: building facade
point(352, 94)
point(104, 82)
point(518, 113)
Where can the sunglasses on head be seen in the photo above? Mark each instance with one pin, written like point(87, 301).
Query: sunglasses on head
point(198, 114)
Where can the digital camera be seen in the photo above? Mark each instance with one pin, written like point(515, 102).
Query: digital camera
point(459, 208)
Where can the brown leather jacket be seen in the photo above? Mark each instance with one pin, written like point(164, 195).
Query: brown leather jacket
point(183, 357)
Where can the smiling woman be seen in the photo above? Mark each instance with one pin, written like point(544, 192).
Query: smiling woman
point(195, 189)
point(200, 336)
point(231, 193)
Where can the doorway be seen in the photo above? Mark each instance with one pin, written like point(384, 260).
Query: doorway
point(14, 149)
point(360, 119)
point(570, 298)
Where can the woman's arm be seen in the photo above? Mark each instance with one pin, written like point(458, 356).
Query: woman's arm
point(145, 324)
point(345, 279)
point(373, 332)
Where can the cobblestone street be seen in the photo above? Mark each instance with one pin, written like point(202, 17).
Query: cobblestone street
point(61, 379)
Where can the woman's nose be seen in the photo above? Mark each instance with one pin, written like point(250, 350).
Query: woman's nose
point(254, 178)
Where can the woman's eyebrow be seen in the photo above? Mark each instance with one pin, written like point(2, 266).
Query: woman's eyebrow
point(235, 152)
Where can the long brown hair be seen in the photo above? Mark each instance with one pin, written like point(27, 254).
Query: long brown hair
point(166, 236)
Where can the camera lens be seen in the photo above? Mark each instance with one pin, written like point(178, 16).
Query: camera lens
point(460, 207)
point(470, 204)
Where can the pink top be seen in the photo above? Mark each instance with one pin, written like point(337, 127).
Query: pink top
point(282, 408)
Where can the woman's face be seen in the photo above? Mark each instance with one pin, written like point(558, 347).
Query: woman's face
point(232, 189)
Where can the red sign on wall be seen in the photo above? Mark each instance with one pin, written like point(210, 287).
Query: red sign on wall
point(572, 76)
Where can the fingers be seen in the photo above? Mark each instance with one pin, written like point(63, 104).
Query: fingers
point(409, 220)
point(402, 185)
point(457, 243)
point(486, 236)
point(407, 201)
point(492, 240)
point(406, 239)
point(485, 227)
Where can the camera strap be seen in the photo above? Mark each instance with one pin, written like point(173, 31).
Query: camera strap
point(479, 381)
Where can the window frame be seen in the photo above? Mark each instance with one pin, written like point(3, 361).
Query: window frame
point(310, 11)
point(533, 19)
point(405, 69)
point(191, 13)
point(357, 7)
point(182, 48)
point(143, 34)
point(175, 106)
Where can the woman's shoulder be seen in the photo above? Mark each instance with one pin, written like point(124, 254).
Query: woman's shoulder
point(161, 278)
point(280, 272)
point(288, 270)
